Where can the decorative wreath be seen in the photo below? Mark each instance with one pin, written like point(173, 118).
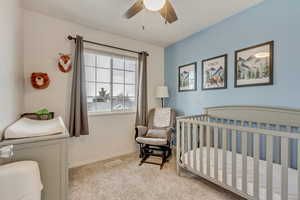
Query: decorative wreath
point(64, 63)
point(40, 80)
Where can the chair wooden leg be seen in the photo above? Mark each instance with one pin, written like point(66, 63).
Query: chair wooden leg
point(147, 151)
point(143, 159)
point(163, 161)
point(168, 154)
point(164, 158)
point(142, 151)
point(162, 165)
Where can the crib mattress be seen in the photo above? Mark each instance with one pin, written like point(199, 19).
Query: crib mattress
point(292, 173)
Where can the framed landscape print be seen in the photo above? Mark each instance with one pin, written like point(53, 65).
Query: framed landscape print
point(214, 73)
point(187, 77)
point(254, 65)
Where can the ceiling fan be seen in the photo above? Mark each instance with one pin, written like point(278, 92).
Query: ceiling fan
point(164, 7)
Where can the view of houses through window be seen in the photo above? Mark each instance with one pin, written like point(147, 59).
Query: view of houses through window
point(110, 82)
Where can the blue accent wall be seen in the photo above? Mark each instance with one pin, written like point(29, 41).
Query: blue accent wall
point(277, 20)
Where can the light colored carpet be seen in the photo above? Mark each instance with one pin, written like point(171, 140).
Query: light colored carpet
point(123, 179)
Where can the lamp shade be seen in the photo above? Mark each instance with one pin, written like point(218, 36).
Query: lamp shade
point(162, 92)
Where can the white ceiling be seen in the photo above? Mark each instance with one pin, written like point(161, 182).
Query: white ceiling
point(106, 15)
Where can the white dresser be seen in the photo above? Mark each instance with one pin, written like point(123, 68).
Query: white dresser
point(52, 156)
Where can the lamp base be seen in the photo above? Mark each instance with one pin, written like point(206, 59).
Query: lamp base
point(162, 102)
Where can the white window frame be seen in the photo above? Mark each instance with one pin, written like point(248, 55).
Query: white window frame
point(111, 83)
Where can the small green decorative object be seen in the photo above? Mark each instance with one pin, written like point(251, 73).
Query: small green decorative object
point(44, 114)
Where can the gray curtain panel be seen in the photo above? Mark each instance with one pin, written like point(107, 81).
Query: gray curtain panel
point(142, 98)
point(78, 124)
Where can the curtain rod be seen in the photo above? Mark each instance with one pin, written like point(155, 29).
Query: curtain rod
point(109, 46)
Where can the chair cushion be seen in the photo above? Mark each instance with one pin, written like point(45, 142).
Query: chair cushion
point(151, 141)
point(162, 117)
point(157, 133)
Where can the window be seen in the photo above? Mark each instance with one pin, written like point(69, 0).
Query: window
point(110, 82)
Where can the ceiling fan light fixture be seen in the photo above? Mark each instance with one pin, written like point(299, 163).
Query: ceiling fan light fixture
point(154, 5)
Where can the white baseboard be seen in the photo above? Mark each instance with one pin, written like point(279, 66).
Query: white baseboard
point(86, 162)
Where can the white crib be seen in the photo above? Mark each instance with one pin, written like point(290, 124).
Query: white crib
point(253, 151)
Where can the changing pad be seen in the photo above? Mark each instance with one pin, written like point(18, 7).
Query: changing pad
point(25, 128)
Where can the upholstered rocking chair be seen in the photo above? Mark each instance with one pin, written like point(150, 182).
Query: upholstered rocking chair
point(155, 139)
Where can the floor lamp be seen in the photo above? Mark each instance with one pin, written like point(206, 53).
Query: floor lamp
point(162, 93)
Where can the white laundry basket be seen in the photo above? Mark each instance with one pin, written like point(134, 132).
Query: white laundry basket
point(20, 181)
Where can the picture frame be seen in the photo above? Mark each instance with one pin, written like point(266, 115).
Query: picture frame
point(214, 73)
point(187, 77)
point(254, 65)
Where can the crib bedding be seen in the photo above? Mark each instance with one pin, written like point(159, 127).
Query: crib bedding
point(292, 173)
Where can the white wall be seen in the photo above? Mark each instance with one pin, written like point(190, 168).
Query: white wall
point(11, 62)
point(111, 135)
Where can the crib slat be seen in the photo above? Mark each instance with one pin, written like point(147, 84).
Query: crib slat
point(208, 134)
point(289, 129)
point(216, 142)
point(234, 135)
point(269, 167)
point(244, 154)
point(284, 168)
point(298, 168)
point(256, 166)
point(276, 145)
point(178, 150)
point(201, 138)
point(195, 129)
point(189, 144)
point(182, 142)
point(224, 159)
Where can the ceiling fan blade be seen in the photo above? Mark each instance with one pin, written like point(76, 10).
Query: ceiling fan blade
point(137, 7)
point(168, 13)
